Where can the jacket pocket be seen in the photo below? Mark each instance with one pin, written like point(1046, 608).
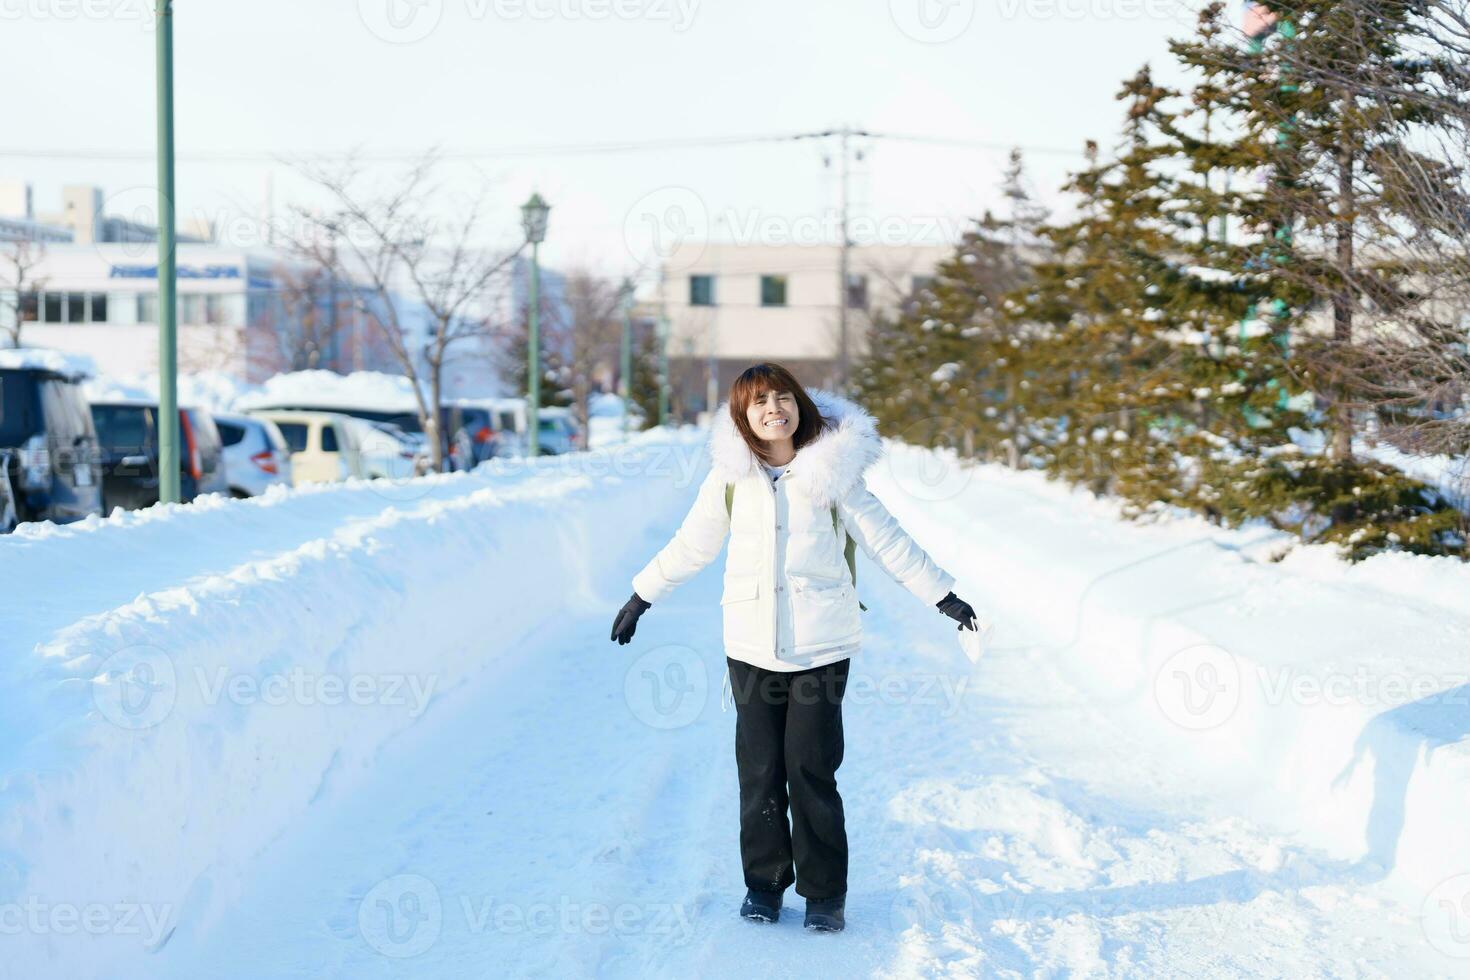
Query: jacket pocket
point(820, 588)
point(738, 588)
point(824, 611)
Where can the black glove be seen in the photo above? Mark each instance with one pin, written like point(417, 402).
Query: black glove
point(627, 619)
point(957, 609)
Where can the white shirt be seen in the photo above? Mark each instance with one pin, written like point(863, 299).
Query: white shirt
point(774, 471)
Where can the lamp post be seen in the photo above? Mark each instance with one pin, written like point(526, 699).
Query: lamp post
point(627, 351)
point(168, 352)
point(533, 219)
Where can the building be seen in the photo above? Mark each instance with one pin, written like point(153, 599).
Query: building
point(84, 281)
point(729, 306)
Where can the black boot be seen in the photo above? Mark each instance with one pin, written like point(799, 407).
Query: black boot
point(761, 906)
point(825, 914)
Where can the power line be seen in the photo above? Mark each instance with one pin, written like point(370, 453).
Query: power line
point(526, 150)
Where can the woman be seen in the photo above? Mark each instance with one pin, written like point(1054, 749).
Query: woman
point(786, 482)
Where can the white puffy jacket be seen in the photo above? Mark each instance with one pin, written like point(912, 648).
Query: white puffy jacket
point(789, 602)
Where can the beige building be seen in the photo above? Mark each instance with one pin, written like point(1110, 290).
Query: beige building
point(730, 306)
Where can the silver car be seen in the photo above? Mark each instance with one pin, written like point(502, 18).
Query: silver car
point(256, 454)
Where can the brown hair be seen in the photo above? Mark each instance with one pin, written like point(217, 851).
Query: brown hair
point(752, 384)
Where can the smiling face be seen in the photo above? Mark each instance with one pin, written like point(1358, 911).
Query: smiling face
point(773, 416)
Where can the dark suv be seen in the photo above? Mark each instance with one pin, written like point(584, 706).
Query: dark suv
point(48, 449)
point(128, 431)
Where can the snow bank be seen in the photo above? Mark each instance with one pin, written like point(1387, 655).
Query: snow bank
point(1330, 699)
point(361, 389)
point(215, 668)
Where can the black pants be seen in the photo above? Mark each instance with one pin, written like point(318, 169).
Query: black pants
point(788, 745)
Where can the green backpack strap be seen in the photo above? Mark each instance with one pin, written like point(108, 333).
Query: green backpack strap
point(849, 550)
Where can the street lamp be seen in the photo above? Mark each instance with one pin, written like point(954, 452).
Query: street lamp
point(168, 327)
point(533, 219)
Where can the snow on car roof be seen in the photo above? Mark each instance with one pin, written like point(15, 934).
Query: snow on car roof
point(45, 359)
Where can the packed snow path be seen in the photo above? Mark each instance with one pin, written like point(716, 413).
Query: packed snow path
point(1127, 785)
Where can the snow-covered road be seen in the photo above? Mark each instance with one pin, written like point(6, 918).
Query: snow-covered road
point(1139, 779)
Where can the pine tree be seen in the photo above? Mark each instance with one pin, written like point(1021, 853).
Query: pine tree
point(1326, 109)
point(943, 370)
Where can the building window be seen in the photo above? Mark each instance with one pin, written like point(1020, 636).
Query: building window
point(857, 292)
point(923, 284)
point(147, 307)
point(30, 307)
point(99, 308)
point(191, 308)
point(122, 308)
point(701, 290)
point(773, 290)
point(51, 308)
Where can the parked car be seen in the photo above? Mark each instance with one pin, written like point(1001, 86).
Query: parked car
point(48, 446)
point(484, 428)
point(256, 455)
point(387, 452)
point(324, 446)
point(558, 432)
point(128, 433)
point(512, 426)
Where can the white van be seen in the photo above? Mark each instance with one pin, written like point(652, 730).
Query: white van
point(324, 445)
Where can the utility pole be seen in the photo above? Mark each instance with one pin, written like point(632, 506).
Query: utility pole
point(168, 352)
point(844, 244)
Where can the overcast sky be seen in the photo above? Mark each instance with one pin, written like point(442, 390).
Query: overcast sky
point(290, 77)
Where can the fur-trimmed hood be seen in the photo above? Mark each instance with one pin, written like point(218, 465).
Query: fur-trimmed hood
point(827, 467)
